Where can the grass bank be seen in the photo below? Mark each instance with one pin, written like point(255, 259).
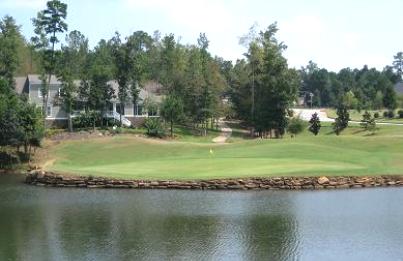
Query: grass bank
point(125, 156)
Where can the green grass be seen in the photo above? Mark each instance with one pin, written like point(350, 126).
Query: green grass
point(357, 116)
point(125, 156)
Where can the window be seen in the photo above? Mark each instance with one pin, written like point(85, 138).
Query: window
point(138, 110)
point(152, 112)
point(120, 108)
point(40, 92)
point(49, 111)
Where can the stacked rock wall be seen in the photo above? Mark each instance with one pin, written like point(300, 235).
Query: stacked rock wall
point(49, 179)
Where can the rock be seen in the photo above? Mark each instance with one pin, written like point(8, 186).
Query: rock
point(344, 186)
point(235, 187)
point(251, 186)
point(323, 180)
point(41, 174)
point(334, 183)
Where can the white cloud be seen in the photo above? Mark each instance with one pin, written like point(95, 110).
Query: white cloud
point(23, 4)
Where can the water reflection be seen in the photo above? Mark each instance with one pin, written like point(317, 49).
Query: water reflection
point(74, 224)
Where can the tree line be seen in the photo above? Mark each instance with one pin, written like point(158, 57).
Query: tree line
point(360, 89)
point(198, 88)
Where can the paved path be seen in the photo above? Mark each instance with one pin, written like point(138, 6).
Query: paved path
point(306, 114)
point(225, 132)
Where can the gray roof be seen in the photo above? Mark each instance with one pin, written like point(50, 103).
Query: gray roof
point(35, 79)
point(20, 84)
point(399, 88)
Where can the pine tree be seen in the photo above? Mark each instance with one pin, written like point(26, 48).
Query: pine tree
point(368, 123)
point(314, 124)
point(341, 122)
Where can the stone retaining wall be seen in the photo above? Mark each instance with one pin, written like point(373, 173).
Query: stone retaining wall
point(49, 179)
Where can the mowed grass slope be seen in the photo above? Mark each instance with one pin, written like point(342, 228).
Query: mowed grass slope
point(353, 153)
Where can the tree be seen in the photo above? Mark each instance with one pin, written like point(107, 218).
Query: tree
point(9, 122)
point(368, 123)
point(139, 45)
point(31, 127)
point(341, 122)
point(314, 124)
point(277, 89)
point(206, 94)
point(378, 101)
point(398, 64)
point(390, 99)
point(172, 110)
point(99, 91)
point(68, 87)
point(349, 100)
point(10, 39)
point(123, 65)
point(48, 23)
point(295, 126)
point(21, 123)
point(71, 61)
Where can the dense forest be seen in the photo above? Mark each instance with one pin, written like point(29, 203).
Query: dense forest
point(198, 87)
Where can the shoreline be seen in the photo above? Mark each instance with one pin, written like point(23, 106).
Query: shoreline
point(51, 179)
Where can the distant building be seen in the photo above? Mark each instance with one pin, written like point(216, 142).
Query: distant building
point(132, 114)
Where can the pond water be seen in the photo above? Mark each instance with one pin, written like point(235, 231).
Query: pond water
point(80, 224)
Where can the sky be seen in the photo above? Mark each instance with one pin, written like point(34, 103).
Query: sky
point(334, 34)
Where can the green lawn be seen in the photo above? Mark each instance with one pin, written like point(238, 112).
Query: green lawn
point(357, 116)
point(353, 153)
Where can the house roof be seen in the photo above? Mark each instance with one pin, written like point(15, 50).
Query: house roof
point(20, 84)
point(35, 79)
point(399, 88)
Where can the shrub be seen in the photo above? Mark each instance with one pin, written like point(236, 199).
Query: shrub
point(315, 124)
point(87, 120)
point(52, 132)
point(154, 127)
point(400, 113)
point(341, 122)
point(8, 160)
point(368, 123)
point(391, 114)
point(295, 126)
point(385, 114)
point(376, 115)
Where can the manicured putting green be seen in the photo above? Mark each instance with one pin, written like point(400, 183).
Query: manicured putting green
point(353, 153)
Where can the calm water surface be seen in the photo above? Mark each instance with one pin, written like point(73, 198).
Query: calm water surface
point(73, 224)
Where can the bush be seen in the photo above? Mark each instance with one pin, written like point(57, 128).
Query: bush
point(295, 126)
point(400, 113)
point(368, 123)
point(315, 124)
point(391, 114)
point(154, 127)
point(376, 115)
point(341, 122)
point(87, 120)
point(52, 132)
point(8, 160)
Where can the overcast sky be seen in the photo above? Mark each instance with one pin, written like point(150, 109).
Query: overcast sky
point(335, 34)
